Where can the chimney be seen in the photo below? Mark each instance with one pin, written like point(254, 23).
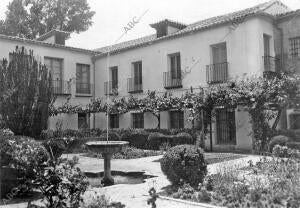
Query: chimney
point(54, 37)
point(167, 27)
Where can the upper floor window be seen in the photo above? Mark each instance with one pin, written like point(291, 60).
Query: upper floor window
point(54, 65)
point(114, 121)
point(175, 65)
point(295, 47)
point(114, 77)
point(137, 72)
point(176, 119)
point(83, 79)
point(137, 120)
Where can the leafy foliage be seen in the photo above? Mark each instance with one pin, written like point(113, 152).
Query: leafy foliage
point(184, 163)
point(32, 18)
point(25, 94)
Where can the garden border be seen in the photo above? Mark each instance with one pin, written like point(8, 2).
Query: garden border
point(203, 205)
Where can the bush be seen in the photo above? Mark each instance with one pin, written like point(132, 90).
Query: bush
point(155, 140)
point(55, 147)
point(280, 140)
point(184, 163)
point(112, 136)
point(293, 145)
point(136, 138)
point(284, 151)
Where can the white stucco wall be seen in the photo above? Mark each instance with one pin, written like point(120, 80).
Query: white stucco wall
point(244, 55)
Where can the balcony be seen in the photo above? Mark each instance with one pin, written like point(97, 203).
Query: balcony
point(172, 80)
point(110, 88)
point(84, 88)
point(217, 73)
point(61, 87)
point(133, 85)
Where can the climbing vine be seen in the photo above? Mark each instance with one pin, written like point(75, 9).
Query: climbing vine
point(263, 97)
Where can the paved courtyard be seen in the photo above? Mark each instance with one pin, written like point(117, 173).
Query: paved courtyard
point(136, 195)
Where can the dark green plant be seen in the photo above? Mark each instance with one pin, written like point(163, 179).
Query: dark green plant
point(32, 18)
point(278, 140)
point(184, 163)
point(25, 93)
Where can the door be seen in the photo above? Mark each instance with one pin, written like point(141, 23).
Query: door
point(225, 126)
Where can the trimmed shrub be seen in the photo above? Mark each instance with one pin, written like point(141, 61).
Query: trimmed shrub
point(284, 151)
point(181, 138)
point(136, 138)
point(184, 163)
point(112, 136)
point(155, 140)
point(280, 140)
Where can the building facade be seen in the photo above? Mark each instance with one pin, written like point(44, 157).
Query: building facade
point(175, 59)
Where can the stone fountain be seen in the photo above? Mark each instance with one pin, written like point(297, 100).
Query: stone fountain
point(107, 149)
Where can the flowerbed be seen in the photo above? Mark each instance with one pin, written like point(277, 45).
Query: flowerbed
point(272, 182)
point(128, 153)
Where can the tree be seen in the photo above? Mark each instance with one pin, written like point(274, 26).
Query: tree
point(32, 18)
point(25, 94)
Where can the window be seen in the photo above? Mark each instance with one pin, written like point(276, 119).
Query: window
point(175, 66)
point(114, 77)
point(137, 120)
point(83, 121)
point(83, 79)
point(114, 121)
point(294, 47)
point(176, 119)
point(54, 65)
point(137, 73)
point(219, 53)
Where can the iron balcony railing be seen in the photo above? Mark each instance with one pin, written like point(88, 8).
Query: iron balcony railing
point(110, 88)
point(271, 63)
point(217, 73)
point(134, 85)
point(172, 80)
point(84, 88)
point(61, 87)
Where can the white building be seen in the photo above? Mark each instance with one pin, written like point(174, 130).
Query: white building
point(175, 58)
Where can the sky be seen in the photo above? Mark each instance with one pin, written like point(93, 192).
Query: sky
point(113, 16)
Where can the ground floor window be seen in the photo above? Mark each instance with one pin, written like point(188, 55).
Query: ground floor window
point(176, 119)
point(225, 126)
point(83, 121)
point(295, 121)
point(137, 120)
point(114, 121)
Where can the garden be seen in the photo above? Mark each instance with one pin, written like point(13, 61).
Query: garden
point(38, 167)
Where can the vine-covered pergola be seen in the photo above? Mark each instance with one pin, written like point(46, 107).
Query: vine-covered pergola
point(264, 97)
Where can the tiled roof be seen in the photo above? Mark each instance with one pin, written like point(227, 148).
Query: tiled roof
point(168, 22)
point(23, 40)
point(259, 9)
point(282, 15)
point(52, 32)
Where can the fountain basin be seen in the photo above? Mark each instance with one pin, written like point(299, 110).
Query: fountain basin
point(105, 147)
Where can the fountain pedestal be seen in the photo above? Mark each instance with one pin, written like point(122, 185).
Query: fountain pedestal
point(106, 149)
